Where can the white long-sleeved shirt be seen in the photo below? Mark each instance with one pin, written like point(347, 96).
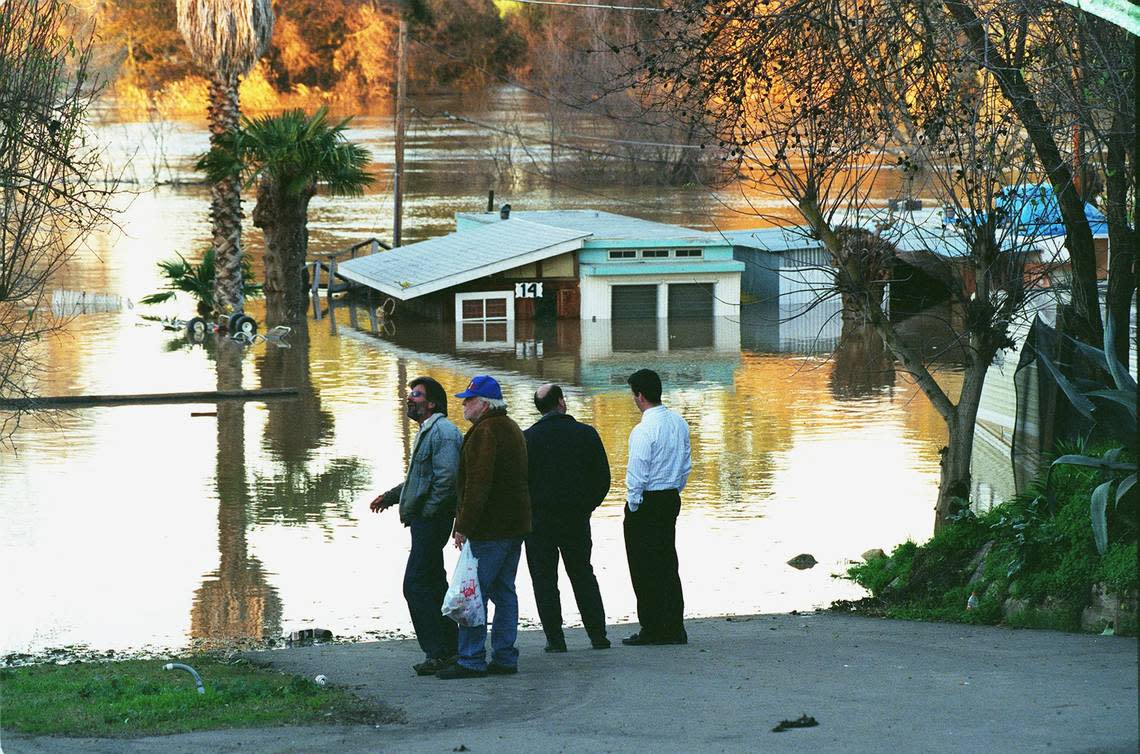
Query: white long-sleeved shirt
point(659, 455)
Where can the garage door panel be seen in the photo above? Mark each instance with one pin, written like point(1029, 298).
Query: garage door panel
point(690, 300)
point(633, 302)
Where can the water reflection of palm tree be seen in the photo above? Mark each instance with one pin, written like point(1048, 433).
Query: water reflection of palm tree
point(236, 601)
point(294, 428)
point(294, 492)
point(861, 364)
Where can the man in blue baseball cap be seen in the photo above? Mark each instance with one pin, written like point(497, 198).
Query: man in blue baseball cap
point(493, 517)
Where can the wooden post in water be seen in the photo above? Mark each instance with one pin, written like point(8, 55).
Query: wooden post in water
point(398, 178)
point(372, 314)
point(329, 294)
point(316, 289)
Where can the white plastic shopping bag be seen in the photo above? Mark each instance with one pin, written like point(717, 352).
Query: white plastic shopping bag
point(463, 602)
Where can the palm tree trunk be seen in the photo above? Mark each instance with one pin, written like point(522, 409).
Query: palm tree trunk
point(225, 201)
point(284, 221)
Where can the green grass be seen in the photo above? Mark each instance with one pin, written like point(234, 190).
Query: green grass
point(137, 698)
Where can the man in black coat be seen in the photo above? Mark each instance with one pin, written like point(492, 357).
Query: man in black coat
point(569, 478)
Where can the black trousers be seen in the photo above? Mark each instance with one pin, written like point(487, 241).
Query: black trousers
point(425, 583)
point(651, 549)
point(573, 542)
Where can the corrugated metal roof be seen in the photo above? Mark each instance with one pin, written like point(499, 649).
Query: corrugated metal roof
point(602, 226)
point(771, 239)
point(420, 268)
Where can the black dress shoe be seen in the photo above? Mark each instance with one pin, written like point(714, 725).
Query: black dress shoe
point(552, 646)
point(433, 666)
point(600, 643)
point(496, 669)
point(638, 640)
point(456, 671)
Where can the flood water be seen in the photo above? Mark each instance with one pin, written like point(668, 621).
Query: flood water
point(161, 526)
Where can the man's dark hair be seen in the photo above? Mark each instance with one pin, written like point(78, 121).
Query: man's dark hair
point(434, 393)
point(548, 402)
point(646, 382)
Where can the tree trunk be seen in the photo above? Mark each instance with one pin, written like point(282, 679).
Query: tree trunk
point(283, 218)
point(225, 201)
point(954, 481)
point(1121, 240)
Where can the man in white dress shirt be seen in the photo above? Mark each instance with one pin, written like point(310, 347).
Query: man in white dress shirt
point(659, 466)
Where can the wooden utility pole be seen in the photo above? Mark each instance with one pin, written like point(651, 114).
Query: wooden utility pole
point(398, 179)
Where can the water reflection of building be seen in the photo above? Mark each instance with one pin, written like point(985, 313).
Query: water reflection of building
point(588, 353)
point(681, 350)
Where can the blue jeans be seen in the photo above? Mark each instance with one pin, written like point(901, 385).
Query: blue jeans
point(425, 582)
point(498, 564)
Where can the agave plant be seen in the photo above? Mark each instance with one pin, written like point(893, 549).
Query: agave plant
point(197, 280)
point(1094, 403)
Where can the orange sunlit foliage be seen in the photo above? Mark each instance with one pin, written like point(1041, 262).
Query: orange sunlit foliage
point(336, 52)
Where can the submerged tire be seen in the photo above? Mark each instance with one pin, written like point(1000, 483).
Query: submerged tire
point(232, 322)
point(244, 324)
point(196, 330)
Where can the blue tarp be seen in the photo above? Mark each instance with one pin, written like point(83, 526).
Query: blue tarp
point(1035, 211)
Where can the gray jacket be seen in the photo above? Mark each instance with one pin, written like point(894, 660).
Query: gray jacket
point(429, 489)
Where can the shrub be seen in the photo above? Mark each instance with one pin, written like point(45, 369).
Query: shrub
point(1038, 553)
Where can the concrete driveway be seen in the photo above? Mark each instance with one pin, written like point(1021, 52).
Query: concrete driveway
point(872, 685)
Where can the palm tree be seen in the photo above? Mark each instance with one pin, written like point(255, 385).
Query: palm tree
point(287, 155)
point(225, 38)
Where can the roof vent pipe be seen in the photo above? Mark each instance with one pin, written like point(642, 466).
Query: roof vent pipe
point(505, 212)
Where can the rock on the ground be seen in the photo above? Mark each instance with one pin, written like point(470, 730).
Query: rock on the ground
point(803, 561)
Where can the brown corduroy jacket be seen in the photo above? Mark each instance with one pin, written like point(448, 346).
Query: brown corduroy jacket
point(494, 495)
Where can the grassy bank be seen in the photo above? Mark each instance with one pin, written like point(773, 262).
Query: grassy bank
point(137, 697)
point(1026, 563)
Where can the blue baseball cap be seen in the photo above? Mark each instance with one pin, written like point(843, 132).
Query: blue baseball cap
point(482, 386)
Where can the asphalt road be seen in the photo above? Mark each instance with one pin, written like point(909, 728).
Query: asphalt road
point(872, 685)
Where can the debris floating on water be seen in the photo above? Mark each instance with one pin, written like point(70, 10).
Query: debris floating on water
point(70, 303)
point(803, 721)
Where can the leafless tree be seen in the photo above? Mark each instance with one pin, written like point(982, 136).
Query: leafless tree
point(814, 99)
point(53, 190)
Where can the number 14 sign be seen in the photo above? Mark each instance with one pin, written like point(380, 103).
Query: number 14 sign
point(528, 290)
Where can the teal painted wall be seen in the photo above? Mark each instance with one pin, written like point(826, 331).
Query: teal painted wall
point(597, 252)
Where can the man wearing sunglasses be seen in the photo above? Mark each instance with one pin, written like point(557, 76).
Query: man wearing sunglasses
point(427, 506)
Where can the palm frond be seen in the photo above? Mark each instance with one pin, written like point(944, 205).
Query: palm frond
point(296, 150)
point(197, 280)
